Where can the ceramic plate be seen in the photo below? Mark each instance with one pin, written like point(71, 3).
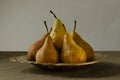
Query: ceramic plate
point(59, 66)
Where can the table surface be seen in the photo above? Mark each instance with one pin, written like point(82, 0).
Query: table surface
point(107, 69)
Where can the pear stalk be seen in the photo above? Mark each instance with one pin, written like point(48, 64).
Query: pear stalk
point(64, 27)
point(46, 26)
point(53, 14)
point(75, 22)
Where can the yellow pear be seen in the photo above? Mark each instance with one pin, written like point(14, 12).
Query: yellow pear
point(71, 52)
point(82, 43)
point(35, 47)
point(57, 33)
point(47, 53)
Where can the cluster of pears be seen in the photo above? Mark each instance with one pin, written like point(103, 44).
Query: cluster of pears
point(59, 46)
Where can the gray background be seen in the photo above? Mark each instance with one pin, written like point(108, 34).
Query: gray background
point(21, 21)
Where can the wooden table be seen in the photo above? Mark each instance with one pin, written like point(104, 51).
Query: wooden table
point(108, 69)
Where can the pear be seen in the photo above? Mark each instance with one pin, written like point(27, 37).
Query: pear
point(57, 33)
point(36, 46)
point(82, 43)
point(47, 53)
point(71, 52)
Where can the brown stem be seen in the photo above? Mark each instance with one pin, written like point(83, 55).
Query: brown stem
point(53, 14)
point(74, 25)
point(46, 26)
point(51, 29)
point(64, 27)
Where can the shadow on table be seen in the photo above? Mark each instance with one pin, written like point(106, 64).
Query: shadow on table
point(93, 71)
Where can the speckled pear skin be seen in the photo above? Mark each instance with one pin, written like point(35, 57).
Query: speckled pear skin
point(35, 47)
point(82, 43)
point(71, 52)
point(47, 53)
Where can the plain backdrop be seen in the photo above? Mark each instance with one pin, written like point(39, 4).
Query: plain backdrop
point(21, 22)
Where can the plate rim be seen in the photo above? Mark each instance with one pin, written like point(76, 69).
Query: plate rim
point(98, 58)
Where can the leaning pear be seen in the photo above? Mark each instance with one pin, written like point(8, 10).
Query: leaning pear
point(47, 53)
point(71, 52)
point(35, 47)
point(82, 43)
point(58, 32)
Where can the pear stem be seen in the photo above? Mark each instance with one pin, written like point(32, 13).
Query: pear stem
point(51, 29)
point(53, 14)
point(75, 22)
point(46, 26)
point(64, 27)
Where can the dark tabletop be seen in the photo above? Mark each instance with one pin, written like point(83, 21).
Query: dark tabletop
point(107, 69)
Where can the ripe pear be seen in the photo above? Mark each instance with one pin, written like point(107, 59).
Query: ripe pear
point(57, 33)
point(36, 46)
point(82, 43)
point(47, 53)
point(71, 52)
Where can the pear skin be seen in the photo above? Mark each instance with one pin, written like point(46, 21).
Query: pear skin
point(47, 53)
point(35, 47)
point(71, 52)
point(82, 43)
point(88, 49)
point(57, 33)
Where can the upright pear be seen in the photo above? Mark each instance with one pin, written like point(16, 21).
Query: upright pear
point(82, 43)
point(58, 32)
point(71, 52)
point(36, 46)
point(47, 53)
